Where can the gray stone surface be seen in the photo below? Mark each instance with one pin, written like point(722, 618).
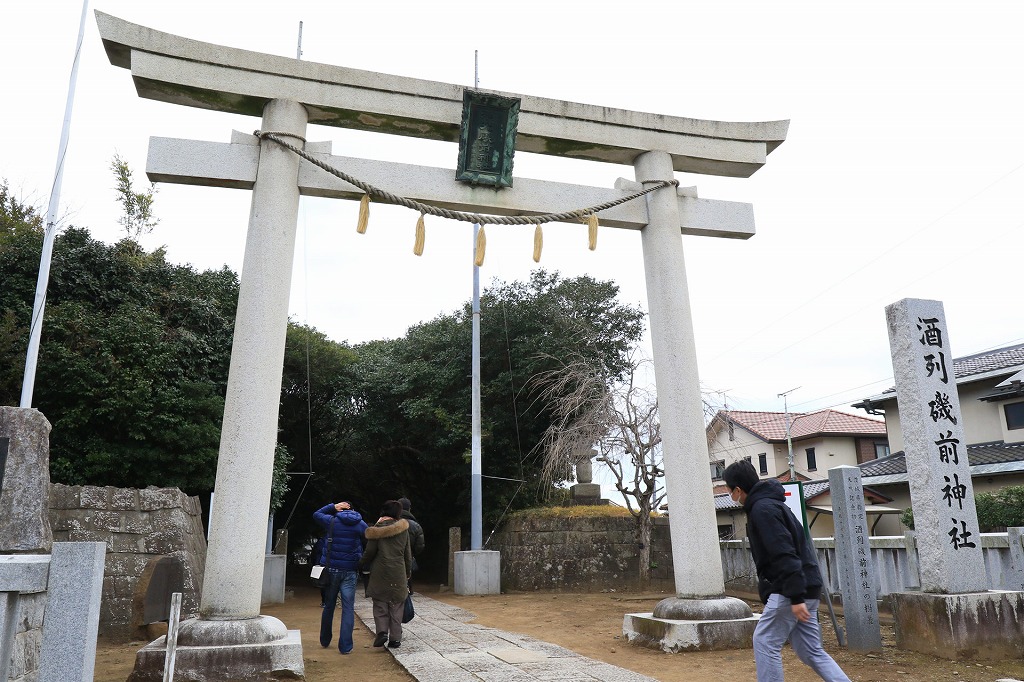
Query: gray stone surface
point(72, 614)
point(723, 608)
point(478, 572)
point(233, 581)
point(857, 580)
point(677, 636)
point(233, 165)
point(978, 626)
point(274, 567)
point(439, 645)
point(255, 650)
point(941, 489)
point(696, 560)
point(24, 516)
point(241, 81)
point(571, 554)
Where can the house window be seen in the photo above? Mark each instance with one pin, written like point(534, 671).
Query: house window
point(762, 463)
point(725, 533)
point(881, 450)
point(1014, 416)
point(717, 468)
point(812, 464)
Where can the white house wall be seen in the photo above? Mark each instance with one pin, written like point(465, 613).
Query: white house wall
point(745, 444)
point(983, 421)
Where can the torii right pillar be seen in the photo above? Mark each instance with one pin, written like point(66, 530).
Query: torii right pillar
point(700, 616)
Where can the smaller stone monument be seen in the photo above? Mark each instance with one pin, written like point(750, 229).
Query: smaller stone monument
point(585, 491)
point(857, 579)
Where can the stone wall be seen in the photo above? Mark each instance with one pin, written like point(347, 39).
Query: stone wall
point(579, 554)
point(137, 527)
point(600, 553)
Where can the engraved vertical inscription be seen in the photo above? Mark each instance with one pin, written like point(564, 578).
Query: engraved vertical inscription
point(4, 445)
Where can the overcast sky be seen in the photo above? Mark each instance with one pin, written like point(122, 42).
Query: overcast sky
point(901, 175)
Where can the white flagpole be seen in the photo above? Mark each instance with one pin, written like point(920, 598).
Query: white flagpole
point(50, 231)
point(476, 511)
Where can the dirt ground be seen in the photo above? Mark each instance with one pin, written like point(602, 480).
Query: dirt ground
point(590, 624)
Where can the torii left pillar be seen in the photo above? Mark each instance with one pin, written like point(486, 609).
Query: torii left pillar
point(230, 634)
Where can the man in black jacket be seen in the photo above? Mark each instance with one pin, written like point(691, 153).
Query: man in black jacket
point(788, 578)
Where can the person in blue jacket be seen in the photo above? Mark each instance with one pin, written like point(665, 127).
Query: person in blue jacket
point(343, 547)
point(788, 578)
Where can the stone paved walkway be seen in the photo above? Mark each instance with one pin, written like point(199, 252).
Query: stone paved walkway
point(440, 645)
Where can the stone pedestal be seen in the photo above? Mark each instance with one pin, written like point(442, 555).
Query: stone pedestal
point(972, 626)
point(478, 572)
point(586, 493)
point(257, 649)
point(678, 625)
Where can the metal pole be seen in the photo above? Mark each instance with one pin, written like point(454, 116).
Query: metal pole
point(789, 440)
point(476, 511)
point(50, 230)
point(298, 48)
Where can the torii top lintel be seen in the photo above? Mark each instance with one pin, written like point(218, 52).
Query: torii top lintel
point(178, 70)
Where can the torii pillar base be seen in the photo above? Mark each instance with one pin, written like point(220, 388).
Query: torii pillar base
point(257, 649)
point(679, 624)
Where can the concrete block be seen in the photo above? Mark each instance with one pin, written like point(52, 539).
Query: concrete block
point(478, 572)
point(94, 497)
point(72, 615)
point(973, 626)
point(675, 636)
point(274, 566)
point(23, 573)
point(124, 499)
point(159, 498)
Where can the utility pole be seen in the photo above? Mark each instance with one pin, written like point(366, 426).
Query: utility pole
point(789, 438)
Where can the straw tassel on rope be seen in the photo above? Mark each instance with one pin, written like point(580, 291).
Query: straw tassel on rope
point(421, 237)
point(364, 214)
point(481, 247)
point(538, 243)
point(592, 231)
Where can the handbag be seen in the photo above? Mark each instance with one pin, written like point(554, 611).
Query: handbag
point(319, 574)
point(409, 612)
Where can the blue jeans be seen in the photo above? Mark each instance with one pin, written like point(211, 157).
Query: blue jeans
point(777, 624)
point(345, 582)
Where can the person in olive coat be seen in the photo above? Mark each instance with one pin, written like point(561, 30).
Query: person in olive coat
point(389, 554)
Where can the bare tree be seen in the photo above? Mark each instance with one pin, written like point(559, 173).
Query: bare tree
point(617, 417)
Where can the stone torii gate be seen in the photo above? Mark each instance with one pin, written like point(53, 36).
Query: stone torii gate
point(288, 94)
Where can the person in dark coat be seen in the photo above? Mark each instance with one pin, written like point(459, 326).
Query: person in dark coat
point(342, 549)
point(788, 579)
point(389, 555)
point(416, 537)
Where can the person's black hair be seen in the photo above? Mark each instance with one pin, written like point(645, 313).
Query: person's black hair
point(406, 504)
point(740, 475)
point(392, 508)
